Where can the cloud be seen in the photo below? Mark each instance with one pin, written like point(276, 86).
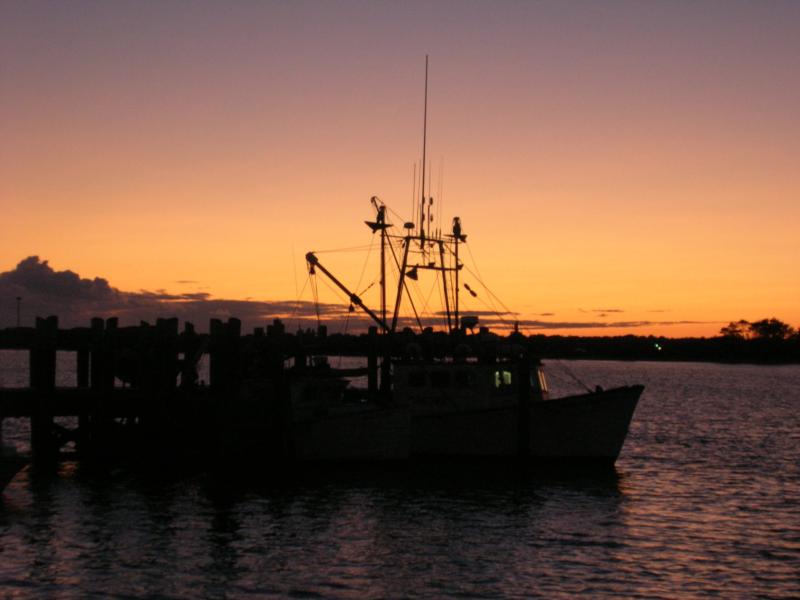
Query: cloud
point(75, 300)
point(480, 313)
point(543, 325)
point(602, 312)
point(38, 278)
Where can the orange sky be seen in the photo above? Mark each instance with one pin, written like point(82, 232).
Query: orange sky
point(639, 159)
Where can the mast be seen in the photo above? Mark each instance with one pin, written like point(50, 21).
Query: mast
point(401, 282)
point(383, 268)
point(424, 255)
point(455, 291)
point(380, 224)
point(457, 237)
point(444, 286)
point(424, 148)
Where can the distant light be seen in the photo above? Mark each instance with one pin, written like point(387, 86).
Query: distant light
point(658, 347)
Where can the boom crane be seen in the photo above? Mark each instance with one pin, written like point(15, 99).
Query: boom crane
point(312, 260)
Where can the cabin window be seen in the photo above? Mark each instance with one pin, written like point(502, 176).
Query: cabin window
point(502, 379)
point(416, 378)
point(440, 379)
point(464, 379)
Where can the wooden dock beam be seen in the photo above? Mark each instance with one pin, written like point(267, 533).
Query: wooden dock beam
point(42, 357)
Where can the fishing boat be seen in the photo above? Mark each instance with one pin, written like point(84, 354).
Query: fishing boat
point(481, 397)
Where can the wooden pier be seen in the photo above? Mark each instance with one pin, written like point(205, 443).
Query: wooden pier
point(142, 383)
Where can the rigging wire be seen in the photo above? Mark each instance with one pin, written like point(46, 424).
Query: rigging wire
point(399, 217)
point(451, 275)
point(405, 284)
point(364, 291)
point(366, 261)
point(298, 301)
point(294, 270)
point(337, 293)
point(420, 293)
point(572, 375)
point(492, 309)
point(477, 275)
point(488, 304)
point(346, 249)
point(411, 302)
point(441, 300)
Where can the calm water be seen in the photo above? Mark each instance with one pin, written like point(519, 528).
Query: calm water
point(705, 502)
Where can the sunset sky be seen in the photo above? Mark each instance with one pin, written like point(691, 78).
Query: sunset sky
point(630, 163)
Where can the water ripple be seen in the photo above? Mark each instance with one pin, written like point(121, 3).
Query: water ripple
point(705, 502)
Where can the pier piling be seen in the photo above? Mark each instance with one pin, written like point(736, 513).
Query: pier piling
point(523, 376)
point(42, 359)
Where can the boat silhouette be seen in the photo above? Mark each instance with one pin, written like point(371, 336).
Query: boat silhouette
point(477, 401)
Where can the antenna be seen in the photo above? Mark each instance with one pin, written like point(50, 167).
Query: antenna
point(440, 196)
point(424, 148)
point(414, 194)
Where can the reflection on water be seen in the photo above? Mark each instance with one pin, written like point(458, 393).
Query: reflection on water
point(705, 501)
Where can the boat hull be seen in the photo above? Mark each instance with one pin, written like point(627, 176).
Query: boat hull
point(370, 434)
point(589, 428)
point(490, 432)
point(585, 428)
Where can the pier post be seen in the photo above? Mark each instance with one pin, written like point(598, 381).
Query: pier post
point(102, 353)
point(224, 351)
point(82, 368)
point(386, 363)
point(372, 360)
point(96, 358)
point(225, 375)
point(166, 349)
point(101, 383)
point(110, 351)
point(43, 380)
point(216, 353)
point(88, 422)
point(523, 373)
point(300, 354)
point(191, 349)
point(234, 352)
point(83, 382)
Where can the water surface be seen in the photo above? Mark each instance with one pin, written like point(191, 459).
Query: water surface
point(704, 502)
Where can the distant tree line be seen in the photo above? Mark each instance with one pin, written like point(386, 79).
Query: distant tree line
point(765, 329)
point(767, 341)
